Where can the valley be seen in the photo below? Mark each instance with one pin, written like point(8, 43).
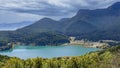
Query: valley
point(89, 39)
point(92, 25)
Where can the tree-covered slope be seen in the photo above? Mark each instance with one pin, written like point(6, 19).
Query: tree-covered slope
point(33, 38)
point(101, 23)
point(106, 24)
point(43, 25)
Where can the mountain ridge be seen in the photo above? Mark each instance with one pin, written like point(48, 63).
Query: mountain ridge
point(98, 24)
point(84, 23)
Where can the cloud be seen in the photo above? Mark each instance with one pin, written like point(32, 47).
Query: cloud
point(47, 8)
point(41, 7)
point(11, 17)
point(51, 7)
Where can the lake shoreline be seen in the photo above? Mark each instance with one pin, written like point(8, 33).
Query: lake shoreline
point(25, 52)
point(87, 43)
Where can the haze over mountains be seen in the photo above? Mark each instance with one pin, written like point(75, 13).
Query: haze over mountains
point(13, 26)
point(90, 24)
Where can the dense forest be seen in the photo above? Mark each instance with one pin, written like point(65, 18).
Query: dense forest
point(31, 37)
point(4, 45)
point(109, 58)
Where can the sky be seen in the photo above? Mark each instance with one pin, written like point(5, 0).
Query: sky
point(14, 11)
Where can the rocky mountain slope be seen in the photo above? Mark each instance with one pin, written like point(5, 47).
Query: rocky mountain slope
point(86, 24)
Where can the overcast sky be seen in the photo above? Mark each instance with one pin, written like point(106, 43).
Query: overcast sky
point(13, 11)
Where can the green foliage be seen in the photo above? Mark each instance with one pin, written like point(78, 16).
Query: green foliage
point(3, 43)
point(3, 59)
point(109, 58)
point(36, 38)
point(14, 63)
point(30, 38)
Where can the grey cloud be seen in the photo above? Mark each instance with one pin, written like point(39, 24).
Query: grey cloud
point(48, 8)
point(52, 8)
point(39, 8)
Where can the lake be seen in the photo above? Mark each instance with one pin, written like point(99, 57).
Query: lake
point(25, 52)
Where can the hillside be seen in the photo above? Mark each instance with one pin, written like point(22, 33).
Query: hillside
point(106, 21)
point(95, 24)
point(43, 25)
point(33, 38)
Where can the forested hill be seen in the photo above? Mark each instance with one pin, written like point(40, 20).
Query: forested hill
point(95, 25)
point(109, 58)
point(88, 24)
point(33, 38)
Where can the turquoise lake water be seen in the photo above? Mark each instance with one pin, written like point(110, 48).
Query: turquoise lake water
point(25, 52)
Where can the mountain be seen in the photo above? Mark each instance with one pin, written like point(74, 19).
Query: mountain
point(43, 25)
point(106, 20)
point(35, 34)
point(115, 6)
point(90, 24)
point(64, 26)
point(13, 26)
point(95, 25)
point(102, 18)
point(79, 27)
